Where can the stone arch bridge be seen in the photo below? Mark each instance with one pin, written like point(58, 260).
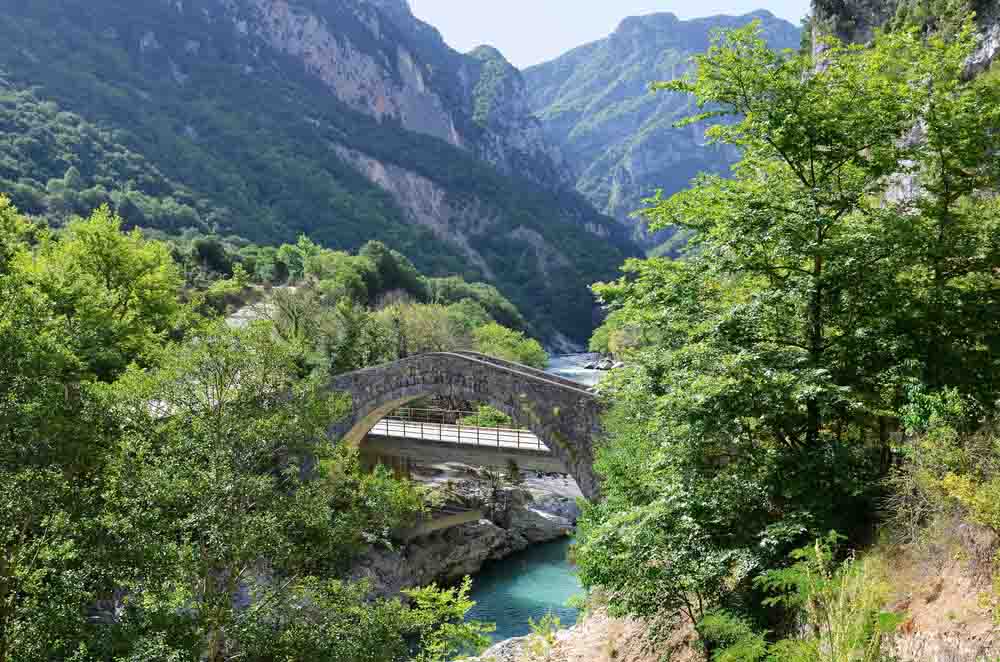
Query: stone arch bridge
point(561, 413)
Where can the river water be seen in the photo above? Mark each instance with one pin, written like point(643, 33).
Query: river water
point(540, 579)
point(570, 366)
point(526, 585)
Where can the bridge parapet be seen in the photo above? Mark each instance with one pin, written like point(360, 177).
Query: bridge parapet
point(562, 414)
point(541, 374)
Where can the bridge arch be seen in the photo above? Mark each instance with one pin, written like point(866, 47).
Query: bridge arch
point(562, 414)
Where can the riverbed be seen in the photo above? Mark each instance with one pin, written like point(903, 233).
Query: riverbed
point(571, 366)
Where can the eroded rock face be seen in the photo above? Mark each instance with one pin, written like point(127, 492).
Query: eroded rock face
point(536, 516)
point(386, 83)
point(447, 556)
point(379, 59)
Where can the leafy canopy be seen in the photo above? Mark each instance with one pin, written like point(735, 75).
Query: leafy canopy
point(770, 367)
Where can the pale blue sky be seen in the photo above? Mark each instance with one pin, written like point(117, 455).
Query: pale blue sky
point(533, 31)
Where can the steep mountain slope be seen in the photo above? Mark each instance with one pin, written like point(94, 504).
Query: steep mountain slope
point(618, 136)
point(345, 119)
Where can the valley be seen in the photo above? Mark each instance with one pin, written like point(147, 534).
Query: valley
point(294, 300)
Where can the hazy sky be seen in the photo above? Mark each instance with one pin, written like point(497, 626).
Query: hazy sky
point(533, 31)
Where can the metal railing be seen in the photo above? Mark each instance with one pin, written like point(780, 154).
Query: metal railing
point(452, 426)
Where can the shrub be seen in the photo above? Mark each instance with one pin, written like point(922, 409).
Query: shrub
point(505, 343)
point(487, 417)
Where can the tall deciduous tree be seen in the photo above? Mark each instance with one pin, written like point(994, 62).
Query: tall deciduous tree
point(51, 457)
point(774, 358)
point(207, 482)
point(802, 217)
point(119, 291)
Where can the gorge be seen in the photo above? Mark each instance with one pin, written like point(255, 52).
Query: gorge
point(280, 281)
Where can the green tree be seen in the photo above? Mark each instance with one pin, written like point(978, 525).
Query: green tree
point(341, 275)
point(455, 290)
point(801, 221)
point(395, 271)
point(440, 622)
point(51, 454)
point(207, 489)
point(757, 409)
point(420, 328)
point(120, 291)
point(14, 233)
point(950, 252)
point(511, 345)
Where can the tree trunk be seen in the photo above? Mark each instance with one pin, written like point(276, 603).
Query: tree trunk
point(6, 607)
point(814, 422)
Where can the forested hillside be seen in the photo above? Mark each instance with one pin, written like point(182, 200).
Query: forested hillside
point(235, 118)
point(595, 102)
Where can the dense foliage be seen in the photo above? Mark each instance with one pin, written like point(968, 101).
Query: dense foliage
point(167, 494)
point(844, 275)
point(211, 130)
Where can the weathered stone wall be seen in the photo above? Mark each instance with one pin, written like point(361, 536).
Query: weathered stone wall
point(566, 418)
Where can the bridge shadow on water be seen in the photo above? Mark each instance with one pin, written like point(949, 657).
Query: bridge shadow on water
point(526, 585)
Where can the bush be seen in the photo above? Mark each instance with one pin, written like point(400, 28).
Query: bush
point(505, 343)
point(837, 609)
point(487, 417)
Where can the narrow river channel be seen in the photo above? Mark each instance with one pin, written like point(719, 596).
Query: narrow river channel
point(526, 586)
point(540, 579)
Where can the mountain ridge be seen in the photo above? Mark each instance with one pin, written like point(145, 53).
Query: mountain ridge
point(594, 102)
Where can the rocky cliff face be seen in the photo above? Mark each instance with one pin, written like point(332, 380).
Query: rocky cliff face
point(618, 137)
point(378, 58)
point(543, 511)
point(856, 21)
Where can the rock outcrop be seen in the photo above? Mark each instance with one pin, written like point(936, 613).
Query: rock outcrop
point(597, 637)
point(855, 21)
point(379, 59)
point(539, 512)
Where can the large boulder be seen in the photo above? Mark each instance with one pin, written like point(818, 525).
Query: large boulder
point(443, 556)
point(536, 525)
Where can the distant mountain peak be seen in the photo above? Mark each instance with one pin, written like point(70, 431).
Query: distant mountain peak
point(620, 140)
point(487, 53)
point(393, 7)
point(645, 22)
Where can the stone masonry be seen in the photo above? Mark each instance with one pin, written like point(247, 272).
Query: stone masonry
point(562, 414)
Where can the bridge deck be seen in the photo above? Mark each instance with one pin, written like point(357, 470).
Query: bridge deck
point(455, 434)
